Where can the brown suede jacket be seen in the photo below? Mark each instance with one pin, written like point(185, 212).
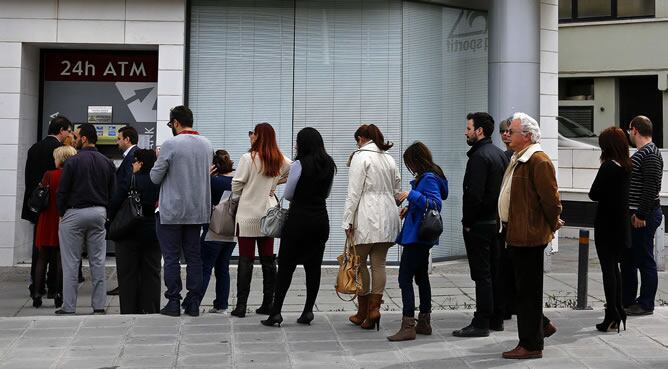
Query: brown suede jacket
point(534, 202)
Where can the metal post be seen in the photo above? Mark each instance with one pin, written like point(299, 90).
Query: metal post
point(659, 245)
point(583, 270)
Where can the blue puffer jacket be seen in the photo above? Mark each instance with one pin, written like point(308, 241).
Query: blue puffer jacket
point(429, 186)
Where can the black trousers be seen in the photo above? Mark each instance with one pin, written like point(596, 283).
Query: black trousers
point(138, 269)
point(484, 254)
point(609, 256)
point(415, 265)
point(51, 273)
point(528, 268)
point(287, 263)
point(50, 256)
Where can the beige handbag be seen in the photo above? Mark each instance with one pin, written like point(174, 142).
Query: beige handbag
point(348, 279)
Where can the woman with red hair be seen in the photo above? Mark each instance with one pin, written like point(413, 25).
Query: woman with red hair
point(258, 173)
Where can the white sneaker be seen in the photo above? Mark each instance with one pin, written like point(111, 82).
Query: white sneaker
point(218, 311)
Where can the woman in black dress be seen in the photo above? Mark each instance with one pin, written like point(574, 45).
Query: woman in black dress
point(307, 228)
point(612, 225)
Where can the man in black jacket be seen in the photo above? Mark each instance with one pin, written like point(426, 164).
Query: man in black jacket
point(127, 143)
point(39, 160)
point(482, 183)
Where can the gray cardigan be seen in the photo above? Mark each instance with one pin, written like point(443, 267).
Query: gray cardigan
point(182, 171)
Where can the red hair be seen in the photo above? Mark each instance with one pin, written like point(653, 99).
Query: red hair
point(266, 147)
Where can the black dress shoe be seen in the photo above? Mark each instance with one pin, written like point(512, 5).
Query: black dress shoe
point(63, 312)
point(99, 312)
point(36, 302)
point(306, 318)
point(471, 331)
point(113, 292)
point(637, 310)
point(171, 309)
point(192, 309)
point(497, 327)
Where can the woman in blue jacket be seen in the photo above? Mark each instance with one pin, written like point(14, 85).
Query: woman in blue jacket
point(428, 190)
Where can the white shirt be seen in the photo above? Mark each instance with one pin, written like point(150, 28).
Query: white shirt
point(128, 150)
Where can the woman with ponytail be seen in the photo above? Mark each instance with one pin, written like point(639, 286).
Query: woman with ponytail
point(371, 217)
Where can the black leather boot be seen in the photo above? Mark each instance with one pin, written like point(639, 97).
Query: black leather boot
point(244, 277)
point(268, 282)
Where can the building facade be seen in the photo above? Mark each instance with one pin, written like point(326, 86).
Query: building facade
point(413, 68)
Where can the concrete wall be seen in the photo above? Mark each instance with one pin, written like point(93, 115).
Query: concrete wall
point(28, 26)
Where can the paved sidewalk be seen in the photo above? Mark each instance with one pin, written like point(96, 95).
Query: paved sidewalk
point(215, 341)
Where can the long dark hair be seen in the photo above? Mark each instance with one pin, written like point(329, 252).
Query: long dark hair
point(266, 148)
point(222, 162)
point(615, 146)
point(373, 133)
point(418, 160)
point(311, 153)
point(147, 158)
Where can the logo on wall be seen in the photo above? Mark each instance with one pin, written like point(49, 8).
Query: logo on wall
point(468, 33)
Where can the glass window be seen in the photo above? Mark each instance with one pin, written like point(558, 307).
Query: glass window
point(565, 9)
point(594, 8)
point(635, 8)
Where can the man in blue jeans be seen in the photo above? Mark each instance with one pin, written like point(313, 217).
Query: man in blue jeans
point(645, 218)
point(182, 171)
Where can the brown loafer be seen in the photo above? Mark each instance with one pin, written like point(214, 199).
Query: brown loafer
point(549, 330)
point(520, 352)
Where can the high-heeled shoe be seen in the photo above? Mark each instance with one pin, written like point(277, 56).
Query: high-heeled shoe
point(306, 318)
point(609, 325)
point(273, 320)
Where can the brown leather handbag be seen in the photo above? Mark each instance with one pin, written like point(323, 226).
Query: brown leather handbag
point(348, 279)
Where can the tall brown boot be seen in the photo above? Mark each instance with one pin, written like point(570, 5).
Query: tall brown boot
point(407, 330)
point(423, 324)
point(362, 310)
point(373, 318)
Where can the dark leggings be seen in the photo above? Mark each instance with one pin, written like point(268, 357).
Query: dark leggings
point(286, 268)
point(265, 246)
point(612, 279)
point(415, 264)
point(48, 255)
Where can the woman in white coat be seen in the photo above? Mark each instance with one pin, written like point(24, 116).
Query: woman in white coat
point(371, 216)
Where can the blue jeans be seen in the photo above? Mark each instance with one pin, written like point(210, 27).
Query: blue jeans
point(216, 254)
point(174, 238)
point(415, 264)
point(641, 257)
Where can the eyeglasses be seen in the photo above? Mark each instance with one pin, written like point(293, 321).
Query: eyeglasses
point(169, 124)
point(504, 131)
point(511, 132)
point(250, 133)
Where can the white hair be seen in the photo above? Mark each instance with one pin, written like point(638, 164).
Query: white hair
point(529, 125)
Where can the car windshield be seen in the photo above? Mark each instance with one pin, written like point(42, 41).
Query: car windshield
point(570, 129)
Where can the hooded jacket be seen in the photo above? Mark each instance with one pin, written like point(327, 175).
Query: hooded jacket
point(429, 187)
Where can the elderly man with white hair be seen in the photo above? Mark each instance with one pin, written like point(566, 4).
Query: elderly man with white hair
point(529, 209)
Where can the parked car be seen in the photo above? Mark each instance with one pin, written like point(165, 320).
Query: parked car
point(574, 135)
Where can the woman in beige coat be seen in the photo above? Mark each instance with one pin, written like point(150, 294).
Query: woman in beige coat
point(256, 177)
point(371, 217)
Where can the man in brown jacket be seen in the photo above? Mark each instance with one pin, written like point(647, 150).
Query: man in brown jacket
point(529, 209)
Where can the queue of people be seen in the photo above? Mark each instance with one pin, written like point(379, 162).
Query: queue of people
point(510, 213)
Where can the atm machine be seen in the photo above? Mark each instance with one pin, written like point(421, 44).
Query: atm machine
point(108, 88)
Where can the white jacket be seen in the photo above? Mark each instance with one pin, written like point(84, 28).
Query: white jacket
point(373, 180)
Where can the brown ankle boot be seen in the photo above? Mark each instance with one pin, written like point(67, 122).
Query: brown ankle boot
point(407, 330)
point(423, 324)
point(362, 310)
point(373, 317)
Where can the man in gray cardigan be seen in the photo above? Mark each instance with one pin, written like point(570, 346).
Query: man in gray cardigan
point(182, 171)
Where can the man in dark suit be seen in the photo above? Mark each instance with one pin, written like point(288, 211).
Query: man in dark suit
point(39, 160)
point(127, 143)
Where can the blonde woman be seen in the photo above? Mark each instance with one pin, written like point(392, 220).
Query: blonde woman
point(371, 217)
point(46, 233)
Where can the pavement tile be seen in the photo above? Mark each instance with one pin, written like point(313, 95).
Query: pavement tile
point(260, 347)
point(206, 338)
point(92, 351)
point(153, 340)
point(154, 330)
point(86, 363)
point(265, 337)
point(256, 358)
point(148, 350)
point(95, 332)
point(27, 363)
point(204, 348)
point(49, 332)
point(212, 361)
point(314, 346)
point(9, 323)
point(147, 361)
point(97, 341)
point(205, 329)
point(39, 342)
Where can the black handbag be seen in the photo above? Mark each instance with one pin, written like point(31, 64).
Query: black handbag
point(39, 198)
point(128, 217)
point(432, 224)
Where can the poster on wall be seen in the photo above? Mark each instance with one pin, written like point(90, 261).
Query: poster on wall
point(109, 89)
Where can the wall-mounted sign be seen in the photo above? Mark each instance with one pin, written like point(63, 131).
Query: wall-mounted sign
point(109, 89)
point(99, 114)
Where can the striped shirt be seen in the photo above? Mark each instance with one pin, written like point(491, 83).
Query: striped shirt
point(645, 180)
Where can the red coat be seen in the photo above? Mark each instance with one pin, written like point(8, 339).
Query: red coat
point(46, 234)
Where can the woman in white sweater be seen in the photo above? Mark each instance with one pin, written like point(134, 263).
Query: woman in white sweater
point(256, 177)
point(371, 216)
